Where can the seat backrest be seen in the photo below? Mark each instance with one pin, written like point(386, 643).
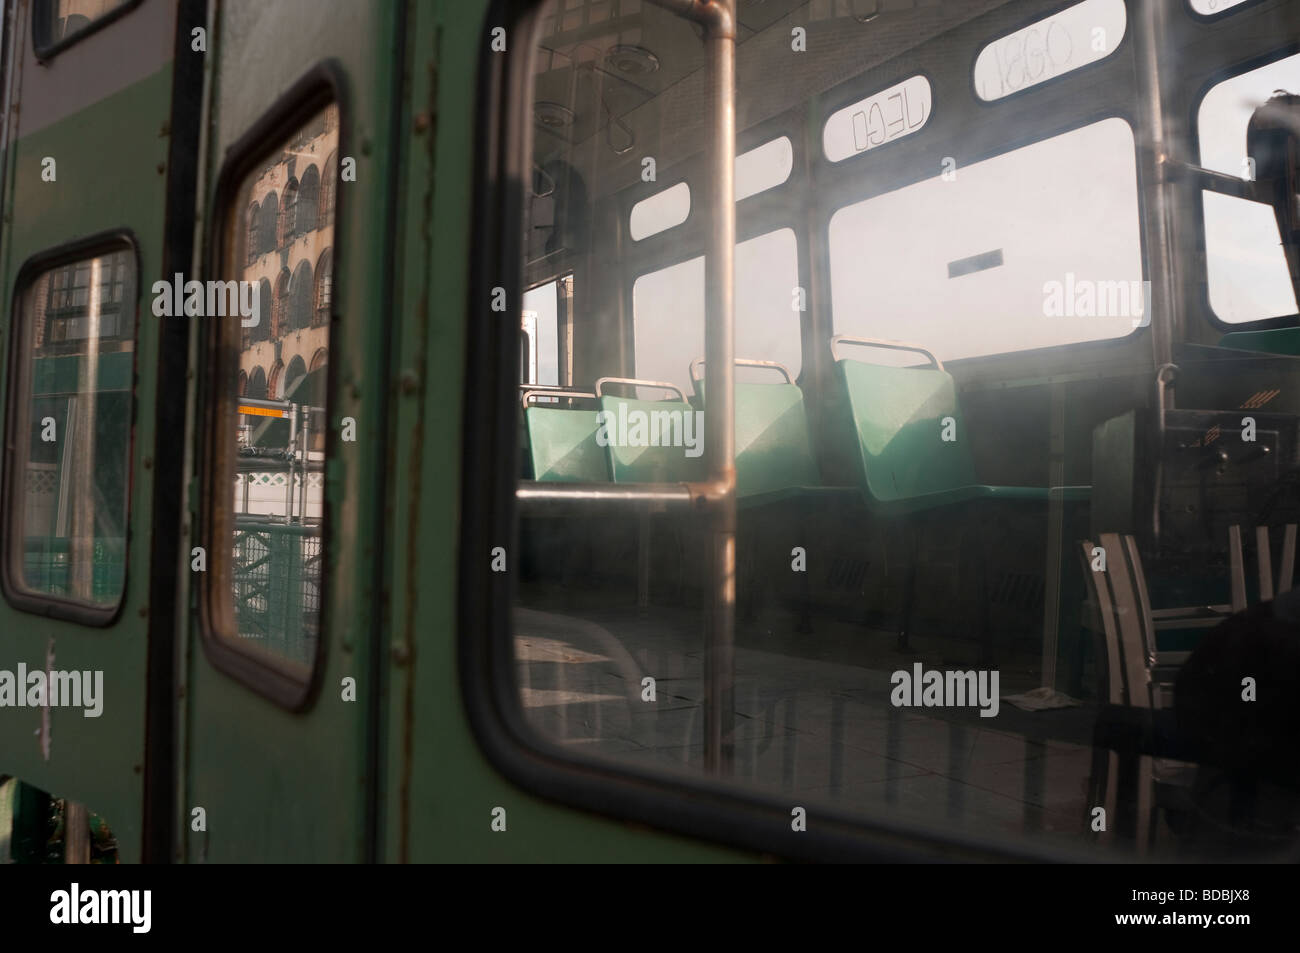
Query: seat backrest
point(773, 441)
point(562, 445)
point(1119, 593)
point(647, 440)
point(899, 416)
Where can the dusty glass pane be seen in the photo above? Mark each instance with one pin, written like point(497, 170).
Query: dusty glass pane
point(76, 341)
point(273, 392)
point(983, 586)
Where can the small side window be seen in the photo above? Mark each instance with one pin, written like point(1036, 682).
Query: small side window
point(58, 23)
point(660, 212)
point(68, 442)
point(1209, 8)
point(882, 117)
point(764, 168)
point(1076, 36)
point(265, 503)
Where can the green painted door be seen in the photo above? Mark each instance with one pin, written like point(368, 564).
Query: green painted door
point(86, 158)
point(290, 433)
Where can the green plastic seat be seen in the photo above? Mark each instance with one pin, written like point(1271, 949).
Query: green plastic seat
point(899, 416)
point(638, 462)
point(774, 453)
point(562, 444)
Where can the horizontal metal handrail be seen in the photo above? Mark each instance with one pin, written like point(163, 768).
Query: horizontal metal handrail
point(534, 496)
point(633, 382)
point(553, 392)
point(742, 362)
point(888, 345)
point(247, 524)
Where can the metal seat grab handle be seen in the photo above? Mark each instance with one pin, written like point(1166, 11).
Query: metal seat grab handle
point(887, 345)
point(697, 365)
point(557, 392)
point(633, 382)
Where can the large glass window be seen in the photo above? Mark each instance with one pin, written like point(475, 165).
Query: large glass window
point(1036, 247)
point(70, 470)
point(270, 457)
point(1246, 266)
point(951, 615)
point(668, 310)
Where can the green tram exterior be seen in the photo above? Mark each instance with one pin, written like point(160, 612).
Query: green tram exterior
point(389, 710)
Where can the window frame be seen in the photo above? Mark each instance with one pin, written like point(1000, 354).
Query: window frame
point(273, 678)
point(697, 806)
point(47, 51)
point(17, 595)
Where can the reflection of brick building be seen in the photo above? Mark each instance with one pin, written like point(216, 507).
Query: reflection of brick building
point(284, 244)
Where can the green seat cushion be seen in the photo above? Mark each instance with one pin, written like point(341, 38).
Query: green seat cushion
point(898, 414)
point(773, 443)
point(562, 446)
point(646, 440)
point(900, 417)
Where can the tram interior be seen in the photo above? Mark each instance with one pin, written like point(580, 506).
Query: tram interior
point(1027, 487)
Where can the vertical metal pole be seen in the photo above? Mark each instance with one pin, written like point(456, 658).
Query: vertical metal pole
point(1165, 301)
point(1164, 304)
point(719, 500)
point(306, 451)
point(1055, 537)
point(81, 542)
point(720, 411)
point(288, 483)
point(76, 833)
point(643, 529)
